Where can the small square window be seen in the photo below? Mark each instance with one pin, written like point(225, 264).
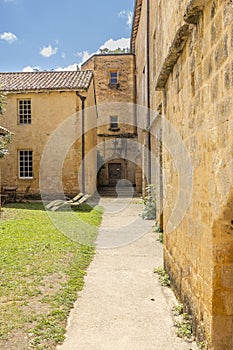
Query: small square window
point(24, 112)
point(25, 164)
point(113, 78)
point(114, 123)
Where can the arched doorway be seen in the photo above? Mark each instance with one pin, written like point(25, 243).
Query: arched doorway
point(117, 170)
point(114, 173)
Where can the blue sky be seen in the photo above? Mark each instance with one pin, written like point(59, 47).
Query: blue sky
point(58, 34)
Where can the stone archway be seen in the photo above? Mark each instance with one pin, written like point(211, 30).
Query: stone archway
point(115, 170)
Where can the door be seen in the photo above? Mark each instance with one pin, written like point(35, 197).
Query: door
point(114, 173)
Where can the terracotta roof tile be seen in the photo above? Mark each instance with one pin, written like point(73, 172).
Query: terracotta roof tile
point(36, 81)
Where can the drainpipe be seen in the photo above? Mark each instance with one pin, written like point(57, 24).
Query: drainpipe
point(148, 92)
point(83, 98)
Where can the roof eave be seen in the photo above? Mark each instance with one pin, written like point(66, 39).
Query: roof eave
point(136, 21)
point(105, 54)
point(83, 86)
point(44, 90)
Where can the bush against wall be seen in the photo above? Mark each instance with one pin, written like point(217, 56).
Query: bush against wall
point(5, 135)
point(149, 212)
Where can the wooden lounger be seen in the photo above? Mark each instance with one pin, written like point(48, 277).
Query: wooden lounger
point(58, 202)
point(77, 203)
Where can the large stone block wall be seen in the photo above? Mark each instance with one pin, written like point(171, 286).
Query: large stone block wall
point(166, 18)
point(191, 84)
point(141, 94)
point(198, 104)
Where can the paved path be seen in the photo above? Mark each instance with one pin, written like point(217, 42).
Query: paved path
point(123, 306)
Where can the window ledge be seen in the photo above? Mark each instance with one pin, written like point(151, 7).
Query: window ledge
point(114, 129)
point(26, 178)
point(114, 86)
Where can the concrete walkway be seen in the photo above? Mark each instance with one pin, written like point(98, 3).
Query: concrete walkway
point(123, 306)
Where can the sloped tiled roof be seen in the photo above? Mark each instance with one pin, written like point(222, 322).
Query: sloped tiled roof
point(37, 81)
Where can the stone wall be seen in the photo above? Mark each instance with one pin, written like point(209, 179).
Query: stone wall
point(141, 94)
point(115, 100)
point(191, 83)
point(49, 111)
point(90, 140)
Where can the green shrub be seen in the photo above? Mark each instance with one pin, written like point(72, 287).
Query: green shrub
point(149, 212)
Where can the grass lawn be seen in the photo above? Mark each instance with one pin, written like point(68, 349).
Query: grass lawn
point(41, 272)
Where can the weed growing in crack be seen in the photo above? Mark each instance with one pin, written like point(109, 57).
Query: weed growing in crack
point(163, 276)
point(184, 327)
point(178, 309)
point(183, 322)
point(202, 346)
point(158, 229)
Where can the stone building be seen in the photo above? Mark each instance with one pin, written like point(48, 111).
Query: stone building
point(43, 108)
point(164, 112)
point(184, 53)
point(114, 80)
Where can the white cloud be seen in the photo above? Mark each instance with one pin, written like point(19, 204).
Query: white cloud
point(83, 56)
point(48, 51)
point(30, 69)
point(128, 15)
point(9, 37)
point(71, 67)
point(86, 56)
point(79, 54)
point(112, 44)
point(63, 55)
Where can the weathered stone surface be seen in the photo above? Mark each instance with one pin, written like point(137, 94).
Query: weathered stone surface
point(196, 83)
point(116, 146)
point(194, 10)
point(173, 55)
point(49, 110)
